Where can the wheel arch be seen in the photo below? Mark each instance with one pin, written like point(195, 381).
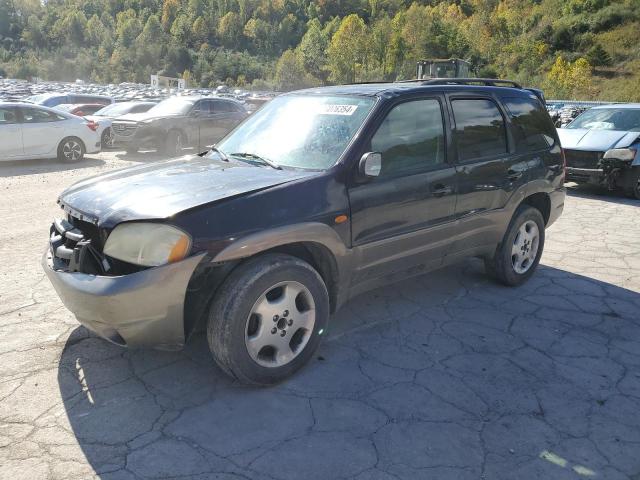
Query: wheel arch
point(315, 243)
point(540, 201)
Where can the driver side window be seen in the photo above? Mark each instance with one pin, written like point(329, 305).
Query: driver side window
point(410, 138)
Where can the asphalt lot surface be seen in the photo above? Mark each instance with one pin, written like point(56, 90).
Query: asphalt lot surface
point(447, 376)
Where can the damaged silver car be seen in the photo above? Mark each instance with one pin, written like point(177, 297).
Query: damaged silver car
point(602, 147)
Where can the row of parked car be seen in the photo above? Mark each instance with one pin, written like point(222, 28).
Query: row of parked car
point(69, 125)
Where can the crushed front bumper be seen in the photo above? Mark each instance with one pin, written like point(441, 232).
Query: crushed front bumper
point(142, 309)
point(585, 175)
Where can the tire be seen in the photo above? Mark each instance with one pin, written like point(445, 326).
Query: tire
point(253, 308)
point(518, 255)
point(633, 188)
point(71, 150)
point(107, 138)
point(174, 143)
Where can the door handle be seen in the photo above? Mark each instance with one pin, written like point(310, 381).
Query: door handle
point(513, 175)
point(440, 190)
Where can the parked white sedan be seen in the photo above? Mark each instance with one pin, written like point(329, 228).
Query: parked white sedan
point(30, 131)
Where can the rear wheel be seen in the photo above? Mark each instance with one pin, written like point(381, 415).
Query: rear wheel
point(518, 255)
point(71, 150)
point(267, 319)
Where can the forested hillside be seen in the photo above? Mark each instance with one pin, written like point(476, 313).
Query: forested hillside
point(572, 48)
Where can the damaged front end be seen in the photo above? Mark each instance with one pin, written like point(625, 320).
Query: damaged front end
point(130, 305)
point(621, 169)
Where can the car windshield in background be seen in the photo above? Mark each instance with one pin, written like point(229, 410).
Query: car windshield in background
point(624, 119)
point(298, 131)
point(113, 109)
point(172, 106)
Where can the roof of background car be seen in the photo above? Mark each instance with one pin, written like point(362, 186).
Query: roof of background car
point(619, 105)
point(379, 89)
point(193, 98)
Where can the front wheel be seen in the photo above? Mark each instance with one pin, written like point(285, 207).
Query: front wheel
point(107, 137)
point(267, 319)
point(518, 255)
point(633, 189)
point(71, 150)
point(174, 143)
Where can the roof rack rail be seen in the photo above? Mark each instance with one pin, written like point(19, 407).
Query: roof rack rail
point(490, 82)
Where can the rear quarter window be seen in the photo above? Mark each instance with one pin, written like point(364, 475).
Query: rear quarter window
point(532, 127)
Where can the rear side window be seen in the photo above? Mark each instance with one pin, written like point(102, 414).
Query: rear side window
point(34, 115)
point(480, 129)
point(220, 106)
point(410, 138)
point(532, 127)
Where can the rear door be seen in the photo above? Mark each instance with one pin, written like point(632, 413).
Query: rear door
point(402, 220)
point(487, 169)
point(10, 134)
point(42, 131)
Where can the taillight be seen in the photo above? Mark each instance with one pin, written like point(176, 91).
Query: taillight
point(564, 163)
point(92, 125)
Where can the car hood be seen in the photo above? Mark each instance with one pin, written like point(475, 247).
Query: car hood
point(595, 140)
point(162, 189)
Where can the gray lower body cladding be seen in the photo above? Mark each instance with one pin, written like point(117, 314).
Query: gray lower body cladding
point(142, 309)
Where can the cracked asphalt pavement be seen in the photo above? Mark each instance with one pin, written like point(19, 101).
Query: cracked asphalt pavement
point(445, 376)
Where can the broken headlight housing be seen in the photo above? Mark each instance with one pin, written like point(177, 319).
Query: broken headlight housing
point(147, 244)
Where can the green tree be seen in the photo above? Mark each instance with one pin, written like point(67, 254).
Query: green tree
point(347, 52)
point(598, 56)
point(313, 48)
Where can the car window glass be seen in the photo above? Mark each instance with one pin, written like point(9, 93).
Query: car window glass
point(411, 137)
point(34, 115)
point(7, 116)
point(140, 108)
point(533, 129)
point(480, 129)
point(220, 106)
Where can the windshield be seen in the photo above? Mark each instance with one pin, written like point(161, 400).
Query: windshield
point(172, 106)
point(300, 131)
point(114, 109)
point(625, 119)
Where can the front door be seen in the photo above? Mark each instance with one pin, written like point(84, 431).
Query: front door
point(10, 134)
point(401, 220)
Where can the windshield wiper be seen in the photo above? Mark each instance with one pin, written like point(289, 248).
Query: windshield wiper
point(223, 155)
point(253, 156)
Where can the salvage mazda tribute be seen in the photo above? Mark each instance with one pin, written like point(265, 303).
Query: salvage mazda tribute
point(320, 195)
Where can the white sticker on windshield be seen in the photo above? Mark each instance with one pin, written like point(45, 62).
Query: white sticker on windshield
point(327, 109)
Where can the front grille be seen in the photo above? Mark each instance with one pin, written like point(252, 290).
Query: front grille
point(76, 246)
point(583, 159)
point(124, 129)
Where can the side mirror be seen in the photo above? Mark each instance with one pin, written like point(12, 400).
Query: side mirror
point(370, 164)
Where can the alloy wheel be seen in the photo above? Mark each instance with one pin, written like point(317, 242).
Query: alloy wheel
point(280, 324)
point(72, 150)
point(525, 247)
point(108, 137)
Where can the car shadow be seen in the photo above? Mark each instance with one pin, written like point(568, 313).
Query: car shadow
point(600, 193)
point(397, 366)
point(36, 167)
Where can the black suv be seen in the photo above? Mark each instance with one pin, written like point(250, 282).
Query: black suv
point(179, 122)
point(320, 195)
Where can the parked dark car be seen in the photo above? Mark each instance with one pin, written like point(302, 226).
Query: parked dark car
point(602, 147)
point(319, 196)
point(179, 122)
point(104, 117)
point(54, 99)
